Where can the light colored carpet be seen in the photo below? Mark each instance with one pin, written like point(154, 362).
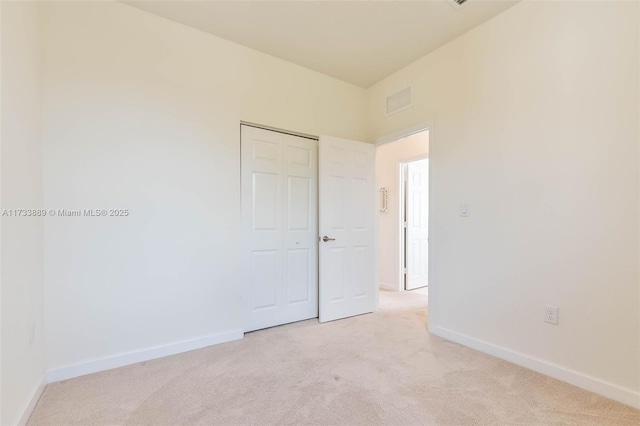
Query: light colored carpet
point(382, 368)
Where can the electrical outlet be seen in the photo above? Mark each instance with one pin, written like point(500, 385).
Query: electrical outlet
point(551, 314)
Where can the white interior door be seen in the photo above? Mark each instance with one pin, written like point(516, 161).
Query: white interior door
point(347, 214)
point(417, 236)
point(280, 231)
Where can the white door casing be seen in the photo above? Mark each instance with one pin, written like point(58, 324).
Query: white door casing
point(347, 215)
point(279, 219)
point(417, 215)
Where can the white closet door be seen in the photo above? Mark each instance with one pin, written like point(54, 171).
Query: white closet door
point(347, 217)
point(279, 208)
point(417, 249)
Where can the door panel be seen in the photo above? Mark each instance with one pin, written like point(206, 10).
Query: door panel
point(347, 213)
point(279, 208)
point(299, 203)
point(265, 277)
point(299, 271)
point(335, 256)
point(266, 201)
point(417, 224)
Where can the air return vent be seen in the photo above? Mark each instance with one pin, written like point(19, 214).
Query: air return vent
point(399, 101)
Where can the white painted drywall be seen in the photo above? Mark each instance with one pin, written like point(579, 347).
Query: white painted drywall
point(388, 159)
point(535, 127)
point(142, 113)
point(21, 241)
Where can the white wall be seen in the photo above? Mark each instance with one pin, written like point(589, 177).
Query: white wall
point(144, 113)
point(21, 238)
point(388, 158)
point(536, 128)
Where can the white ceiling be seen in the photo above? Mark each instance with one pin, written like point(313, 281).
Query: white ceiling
point(360, 42)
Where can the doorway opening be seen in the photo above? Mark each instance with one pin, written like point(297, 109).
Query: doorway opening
point(402, 175)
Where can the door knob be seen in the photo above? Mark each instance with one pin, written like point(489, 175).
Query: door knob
point(325, 239)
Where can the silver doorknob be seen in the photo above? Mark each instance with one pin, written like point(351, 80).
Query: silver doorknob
point(325, 239)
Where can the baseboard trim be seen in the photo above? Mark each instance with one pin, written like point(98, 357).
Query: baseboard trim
point(120, 360)
point(387, 286)
point(581, 380)
point(32, 400)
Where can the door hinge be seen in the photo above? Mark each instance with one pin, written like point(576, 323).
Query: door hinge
point(404, 271)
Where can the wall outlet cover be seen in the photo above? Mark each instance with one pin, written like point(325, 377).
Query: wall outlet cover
point(551, 314)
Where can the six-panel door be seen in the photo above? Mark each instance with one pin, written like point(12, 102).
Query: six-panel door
point(280, 231)
point(347, 217)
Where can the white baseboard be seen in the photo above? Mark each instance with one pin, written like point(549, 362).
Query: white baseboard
point(388, 286)
point(581, 380)
point(120, 360)
point(32, 400)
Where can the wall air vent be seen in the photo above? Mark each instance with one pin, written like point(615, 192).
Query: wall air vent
point(399, 101)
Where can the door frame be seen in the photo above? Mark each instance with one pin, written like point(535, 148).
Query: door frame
point(402, 243)
point(399, 134)
point(276, 129)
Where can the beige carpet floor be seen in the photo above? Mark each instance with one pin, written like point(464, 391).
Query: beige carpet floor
point(381, 368)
